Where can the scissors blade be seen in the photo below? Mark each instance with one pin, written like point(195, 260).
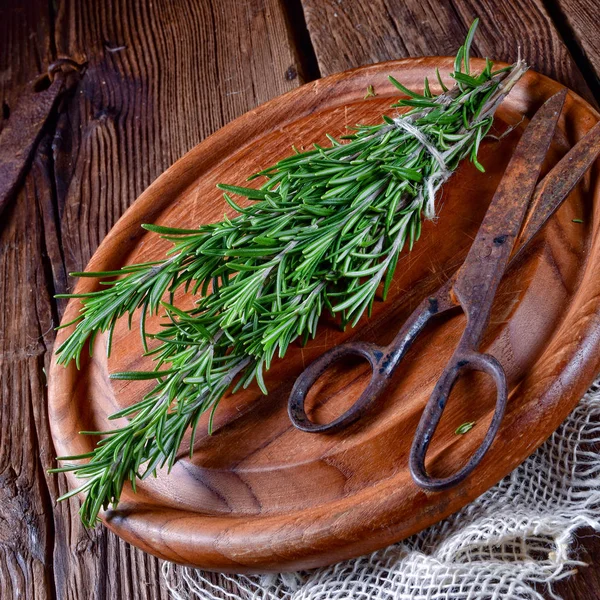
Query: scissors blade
point(552, 191)
point(480, 274)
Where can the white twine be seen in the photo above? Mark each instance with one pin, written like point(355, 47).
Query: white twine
point(435, 181)
point(419, 135)
point(514, 538)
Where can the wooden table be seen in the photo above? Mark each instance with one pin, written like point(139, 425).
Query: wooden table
point(156, 78)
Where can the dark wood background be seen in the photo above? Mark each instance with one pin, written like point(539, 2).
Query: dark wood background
point(158, 77)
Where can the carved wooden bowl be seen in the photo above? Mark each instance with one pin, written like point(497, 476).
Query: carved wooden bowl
point(260, 495)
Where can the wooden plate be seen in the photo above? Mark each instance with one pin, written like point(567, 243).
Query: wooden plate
point(259, 495)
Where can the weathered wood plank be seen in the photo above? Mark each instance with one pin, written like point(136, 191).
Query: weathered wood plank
point(26, 524)
point(347, 34)
point(581, 18)
point(25, 49)
point(159, 77)
point(585, 585)
point(578, 21)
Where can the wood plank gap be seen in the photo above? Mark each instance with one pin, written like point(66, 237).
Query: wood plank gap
point(54, 279)
point(301, 40)
point(569, 38)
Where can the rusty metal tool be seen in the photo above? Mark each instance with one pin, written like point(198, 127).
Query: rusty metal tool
point(472, 288)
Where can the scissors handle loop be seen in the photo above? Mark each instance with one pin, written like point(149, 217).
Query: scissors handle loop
point(296, 409)
point(383, 360)
point(462, 361)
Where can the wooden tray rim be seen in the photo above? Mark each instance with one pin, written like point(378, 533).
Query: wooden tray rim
point(176, 529)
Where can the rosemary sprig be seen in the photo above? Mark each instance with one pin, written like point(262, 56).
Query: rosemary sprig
point(324, 233)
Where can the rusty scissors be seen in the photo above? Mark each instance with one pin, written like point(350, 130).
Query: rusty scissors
point(472, 288)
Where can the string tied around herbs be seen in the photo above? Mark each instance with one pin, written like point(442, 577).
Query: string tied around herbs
point(434, 181)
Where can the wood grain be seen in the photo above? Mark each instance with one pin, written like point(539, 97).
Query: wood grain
point(25, 51)
point(26, 524)
point(258, 494)
point(349, 34)
point(26, 534)
point(159, 77)
point(148, 72)
point(579, 19)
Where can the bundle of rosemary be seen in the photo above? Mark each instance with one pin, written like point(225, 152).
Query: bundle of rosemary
point(325, 233)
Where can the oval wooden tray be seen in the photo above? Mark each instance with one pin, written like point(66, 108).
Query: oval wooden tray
point(259, 495)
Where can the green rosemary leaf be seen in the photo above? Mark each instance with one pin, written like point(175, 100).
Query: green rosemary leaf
point(439, 78)
point(140, 375)
point(464, 428)
point(389, 276)
point(458, 60)
point(404, 89)
point(405, 172)
point(466, 79)
point(467, 45)
point(426, 90)
point(162, 230)
point(250, 193)
point(420, 103)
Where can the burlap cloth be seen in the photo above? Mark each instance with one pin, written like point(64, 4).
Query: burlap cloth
point(513, 542)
